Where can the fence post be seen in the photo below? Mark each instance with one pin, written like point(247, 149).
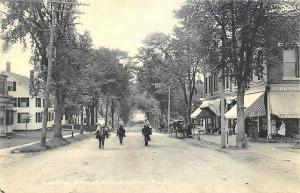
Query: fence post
point(72, 130)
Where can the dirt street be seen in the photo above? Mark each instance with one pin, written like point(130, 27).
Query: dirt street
point(168, 165)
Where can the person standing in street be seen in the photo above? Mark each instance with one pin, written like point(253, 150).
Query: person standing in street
point(100, 135)
point(147, 131)
point(121, 133)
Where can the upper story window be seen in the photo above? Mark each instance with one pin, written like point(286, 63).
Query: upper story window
point(216, 82)
point(23, 102)
point(205, 85)
point(11, 86)
point(38, 102)
point(291, 63)
point(227, 82)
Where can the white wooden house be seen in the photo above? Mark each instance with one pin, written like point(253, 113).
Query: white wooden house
point(23, 104)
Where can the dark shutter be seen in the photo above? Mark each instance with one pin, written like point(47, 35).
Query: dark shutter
point(19, 102)
point(19, 118)
point(27, 102)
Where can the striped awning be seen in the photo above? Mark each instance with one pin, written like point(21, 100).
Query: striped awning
point(196, 113)
point(257, 108)
point(213, 105)
point(254, 104)
point(285, 104)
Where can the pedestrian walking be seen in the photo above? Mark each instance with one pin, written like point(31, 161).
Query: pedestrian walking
point(147, 131)
point(100, 135)
point(121, 133)
point(106, 132)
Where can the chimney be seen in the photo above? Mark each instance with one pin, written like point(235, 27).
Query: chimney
point(7, 66)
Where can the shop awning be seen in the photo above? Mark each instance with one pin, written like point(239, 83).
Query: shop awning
point(196, 113)
point(285, 104)
point(253, 102)
point(213, 105)
point(257, 108)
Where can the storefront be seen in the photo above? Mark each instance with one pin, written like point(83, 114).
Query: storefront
point(284, 105)
point(255, 122)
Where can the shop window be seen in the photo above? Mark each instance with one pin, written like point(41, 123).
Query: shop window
point(290, 63)
point(11, 86)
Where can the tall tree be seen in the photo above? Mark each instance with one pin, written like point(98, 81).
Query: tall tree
point(246, 34)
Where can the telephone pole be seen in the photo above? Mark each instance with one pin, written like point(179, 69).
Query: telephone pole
point(54, 10)
point(49, 70)
point(169, 105)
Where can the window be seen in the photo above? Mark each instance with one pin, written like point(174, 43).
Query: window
point(15, 100)
point(38, 117)
point(23, 102)
point(2, 86)
point(50, 116)
point(2, 115)
point(38, 102)
point(227, 82)
point(210, 84)
point(22, 117)
point(205, 85)
point(11, 86)
point(291, 63)
point(9, 117)
point(216, 82)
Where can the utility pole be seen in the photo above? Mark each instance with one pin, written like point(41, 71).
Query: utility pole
point(222, 103)
point(48, 81)
point(50, 53)
point(169, 104)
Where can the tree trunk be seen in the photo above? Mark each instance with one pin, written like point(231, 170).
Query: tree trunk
point(58, 116)
point(81, 121)
point(96, 114)
point(87, 111)
point(106, 112)
point(240, 137)
point(92, 111)
point(112, 113)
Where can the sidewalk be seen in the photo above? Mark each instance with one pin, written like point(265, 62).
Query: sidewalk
point(21, 138)
point(216, 139)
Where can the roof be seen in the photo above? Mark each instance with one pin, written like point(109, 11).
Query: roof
point(23, 79)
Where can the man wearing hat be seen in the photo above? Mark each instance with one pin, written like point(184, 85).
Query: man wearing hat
point(100, 134)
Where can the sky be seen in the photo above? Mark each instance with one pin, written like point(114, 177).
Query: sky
point(121, 24)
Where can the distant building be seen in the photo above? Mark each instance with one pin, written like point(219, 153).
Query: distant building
point(24, 105)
